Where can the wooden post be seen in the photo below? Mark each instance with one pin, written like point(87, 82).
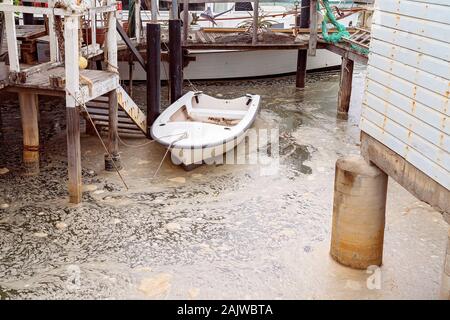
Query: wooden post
point(255, 22)
point(130, 74)
point(53, 42)
point(302, 54)
point(71, 26)
point(345, 88)
point(358, 213)
point(174, 10)
point(175, 60)
point(13, 53)
point(113, 134)
point(111, 56)
point(93, 17)
point(29, 114)
point(312, 28)
point(153, 73)
point(185, 20)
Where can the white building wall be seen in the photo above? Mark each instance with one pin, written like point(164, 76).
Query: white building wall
point(406, 100)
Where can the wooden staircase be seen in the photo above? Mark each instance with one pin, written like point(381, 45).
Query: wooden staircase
point(132, 120)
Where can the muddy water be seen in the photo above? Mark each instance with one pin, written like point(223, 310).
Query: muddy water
point(219, 231)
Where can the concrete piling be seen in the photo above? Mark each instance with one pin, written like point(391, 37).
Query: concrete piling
point(358, 213)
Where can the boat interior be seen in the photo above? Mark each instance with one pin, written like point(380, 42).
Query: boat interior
point(203, 108)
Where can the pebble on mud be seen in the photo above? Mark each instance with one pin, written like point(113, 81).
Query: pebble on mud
point(40, 234)
point(172, 226)
point(89, 187)
point(116, 221)
point(60, 225)
point(156, 286)
point(4, 171)
point(178, 180)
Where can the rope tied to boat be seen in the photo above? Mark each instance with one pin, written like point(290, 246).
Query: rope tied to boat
point(184, 136)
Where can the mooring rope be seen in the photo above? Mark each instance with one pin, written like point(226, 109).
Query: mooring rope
point(184, 136)
point(83, 104)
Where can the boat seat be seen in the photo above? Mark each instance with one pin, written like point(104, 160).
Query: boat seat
point(227, 114)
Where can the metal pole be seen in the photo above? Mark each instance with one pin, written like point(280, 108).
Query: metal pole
point(153, 73)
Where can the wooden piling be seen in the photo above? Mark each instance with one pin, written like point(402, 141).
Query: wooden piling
point(153, 73)
point(358, 213)
point(302, 54)
point(29, 114)
point(345, 88)
point(255, 21)
point(313, 17)
point(175, 60)
point(74, 154)
point(112, 160)
point(72, 73)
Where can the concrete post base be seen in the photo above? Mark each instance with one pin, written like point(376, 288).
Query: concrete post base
point(358, 213)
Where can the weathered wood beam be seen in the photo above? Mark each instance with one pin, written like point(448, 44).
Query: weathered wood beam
point(407, 175)
point(352, 55)
point(29, 111)
point(130, 45)
point(175, 56)
point(185, 21)
point(302, 54)
point(112, 160)
point(153, 73)
point(255, 22)
point(71, 26)
point(345, 88)
point(10, 24)
point(313, 28)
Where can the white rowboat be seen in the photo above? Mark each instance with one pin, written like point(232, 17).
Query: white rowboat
point(198, 128)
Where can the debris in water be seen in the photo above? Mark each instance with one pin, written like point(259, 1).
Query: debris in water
point(178, 180)
point(40, 234)
point(116, 221)
point(4, 206)
point(99, 191)
point(4, 171)
point(157, 286)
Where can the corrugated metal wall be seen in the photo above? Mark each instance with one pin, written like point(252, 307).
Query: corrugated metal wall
point(406, 101)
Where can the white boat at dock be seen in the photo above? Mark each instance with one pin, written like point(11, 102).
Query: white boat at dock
point(197, 128)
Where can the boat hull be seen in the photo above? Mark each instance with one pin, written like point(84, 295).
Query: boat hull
point(198, 128)
point(222, 64)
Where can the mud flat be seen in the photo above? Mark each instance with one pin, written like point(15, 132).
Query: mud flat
point(219, 231)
